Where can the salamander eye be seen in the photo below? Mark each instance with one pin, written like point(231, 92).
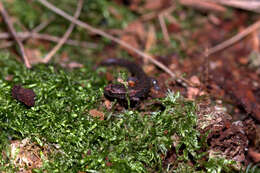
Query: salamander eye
point(155, 84)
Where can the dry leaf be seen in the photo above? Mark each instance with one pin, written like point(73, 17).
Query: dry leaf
point(156, 4)
point(254, 155)
point(137, 28)
point(108, 104)
point(151, 39)
point(131, 40)
point(195, 80)
point(33, 55)
point(243, 60)
point(255, 41)
point(192, 93)
point(74, 64)
point(135, 4)
point(96, 113)
point(9, 77)
point(173, 28)
point(115, 13)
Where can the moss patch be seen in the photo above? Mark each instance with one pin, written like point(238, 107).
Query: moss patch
point(127, 141)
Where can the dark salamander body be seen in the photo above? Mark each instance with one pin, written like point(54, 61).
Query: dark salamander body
point(118, 91)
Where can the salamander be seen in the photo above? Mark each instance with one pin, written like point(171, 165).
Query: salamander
point(135, 93)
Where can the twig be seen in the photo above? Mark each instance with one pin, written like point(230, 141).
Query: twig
point(164, 28)
point(24, 35)
point(116, 40)
point(204, 5)
point(235, 38)
point(151, 38)
point(252, 5)
point(14, 35)
point(48, 57)
point(154, 14)
point(42, 25)
point(35, 30)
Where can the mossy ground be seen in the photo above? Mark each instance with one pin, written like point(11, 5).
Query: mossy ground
point(128, 141)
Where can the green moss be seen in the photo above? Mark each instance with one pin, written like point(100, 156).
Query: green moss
point(100, 13)
point(251, 168)
point(219, 165)
point(127, 141)
point(28, 15)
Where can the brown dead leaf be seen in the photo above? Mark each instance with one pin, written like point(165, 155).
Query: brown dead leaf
point(10, 1)
point(255, 41)
point(9, 77)
point(108, 104)
point(137, 28)
point(133, 4)
point(243, 60)
point(192, 93)
point(109, 164)
point(214, 19)
point(109, 76)
point(33, 55)
point(74, 64)
point(195, 80)
point(240, 90)
point(96, 113)
point(151, 38)
point(64, 57)
point(131, 40)
point(173, 28)
point(35, 43)
point(115, 13)
point(156, 4)
point(254, 155)
point(148, 68)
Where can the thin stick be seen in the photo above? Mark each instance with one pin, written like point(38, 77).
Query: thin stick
point(35, 30)
point(116, 40)
point(24, 35)
point(48, 57)
point(164, 28)
point(14, 35)
point(252, 5)
point(204, 5)
point(39, 28)
point(153, 14)
point(42, 25)
point(235, 38)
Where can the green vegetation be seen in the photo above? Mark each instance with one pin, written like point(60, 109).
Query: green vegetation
point(252, 168)
point(126, 141)
point(94, 12)
point(131, 141)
